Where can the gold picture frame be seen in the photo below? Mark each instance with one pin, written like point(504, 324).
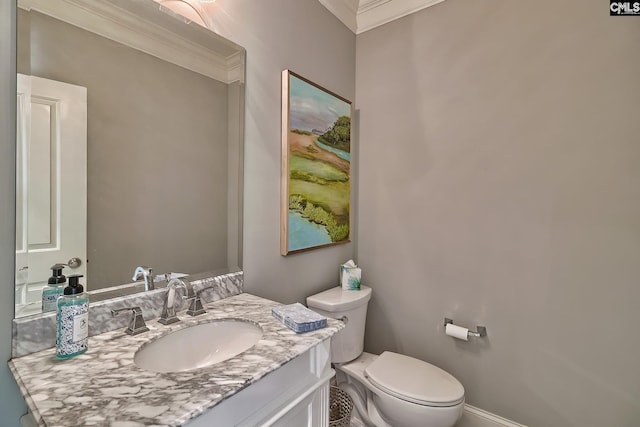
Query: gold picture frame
point(316, 166)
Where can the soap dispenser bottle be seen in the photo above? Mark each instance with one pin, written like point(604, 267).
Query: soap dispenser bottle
point(54, 288)
point(73, 320)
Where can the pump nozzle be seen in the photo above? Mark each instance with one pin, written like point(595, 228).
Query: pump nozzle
point(57, 277)
point(74, 286)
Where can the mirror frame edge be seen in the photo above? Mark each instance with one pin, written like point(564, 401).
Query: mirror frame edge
point(8, 161)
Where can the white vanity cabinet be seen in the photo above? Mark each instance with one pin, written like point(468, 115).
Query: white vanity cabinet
point(294, 395)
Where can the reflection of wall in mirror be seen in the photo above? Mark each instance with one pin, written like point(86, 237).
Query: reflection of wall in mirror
point(157, 151)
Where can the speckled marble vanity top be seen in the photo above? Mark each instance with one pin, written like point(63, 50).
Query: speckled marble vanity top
point(103, 387)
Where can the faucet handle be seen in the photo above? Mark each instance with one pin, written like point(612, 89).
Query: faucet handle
point(136, 324)
point(195, 306)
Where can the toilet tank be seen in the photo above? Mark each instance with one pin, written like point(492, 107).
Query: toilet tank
point(338, 303)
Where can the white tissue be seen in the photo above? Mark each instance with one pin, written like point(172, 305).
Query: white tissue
point(457, 332)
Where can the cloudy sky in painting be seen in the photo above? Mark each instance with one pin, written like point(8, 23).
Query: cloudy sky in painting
point(311, 108)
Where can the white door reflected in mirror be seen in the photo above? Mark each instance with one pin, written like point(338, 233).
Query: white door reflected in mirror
point(51, 171)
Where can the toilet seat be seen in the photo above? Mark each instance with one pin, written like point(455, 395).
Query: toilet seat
point(414, 380)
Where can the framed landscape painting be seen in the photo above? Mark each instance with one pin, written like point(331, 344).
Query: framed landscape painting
point(316, 166)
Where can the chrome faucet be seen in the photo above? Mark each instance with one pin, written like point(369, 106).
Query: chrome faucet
point(195, 306)
point(168, 315)
point(145, 273)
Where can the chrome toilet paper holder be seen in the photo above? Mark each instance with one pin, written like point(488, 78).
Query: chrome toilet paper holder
point(481, 330)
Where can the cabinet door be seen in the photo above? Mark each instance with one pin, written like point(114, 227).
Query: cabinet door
point(312, 411)
point(294, 395)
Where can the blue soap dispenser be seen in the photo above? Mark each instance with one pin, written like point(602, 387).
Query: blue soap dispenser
point(73, 320)
point(53, 290)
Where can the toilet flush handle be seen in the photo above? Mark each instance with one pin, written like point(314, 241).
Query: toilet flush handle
point(344, 319)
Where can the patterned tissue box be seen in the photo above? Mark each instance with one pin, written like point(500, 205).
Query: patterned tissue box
point(299, 318)
point(350, 277)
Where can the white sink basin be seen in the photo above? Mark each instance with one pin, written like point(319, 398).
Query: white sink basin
point(198, 346)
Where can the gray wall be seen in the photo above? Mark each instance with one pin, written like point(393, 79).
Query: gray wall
point(499, 185)
point(515, 173)
point(300, 35)
point(156, 152)
point(11, 404)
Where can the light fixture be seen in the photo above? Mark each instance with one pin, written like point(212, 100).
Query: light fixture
point(190, 9)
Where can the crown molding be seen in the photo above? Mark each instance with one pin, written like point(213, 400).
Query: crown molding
point(363, 15)
point(345, 10)
point(161, 36)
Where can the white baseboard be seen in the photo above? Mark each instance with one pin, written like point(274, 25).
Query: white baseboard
point(476, 417)
point(471, 417)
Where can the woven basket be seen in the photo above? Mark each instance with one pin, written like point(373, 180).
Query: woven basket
point(340, 406)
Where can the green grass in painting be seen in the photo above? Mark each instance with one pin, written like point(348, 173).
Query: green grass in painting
point(303, 176)
point(320, 192)
point(332, 197)
point(317, 168)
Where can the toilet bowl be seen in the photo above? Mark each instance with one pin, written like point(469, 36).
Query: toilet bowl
point(389, 390)
point(402, 391)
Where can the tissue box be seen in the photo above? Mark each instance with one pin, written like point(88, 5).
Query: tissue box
point(299, 318)
point(350, 277)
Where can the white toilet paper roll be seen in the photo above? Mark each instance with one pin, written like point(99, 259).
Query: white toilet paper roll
point(457, 332)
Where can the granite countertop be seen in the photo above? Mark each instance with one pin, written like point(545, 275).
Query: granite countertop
point(104, 387)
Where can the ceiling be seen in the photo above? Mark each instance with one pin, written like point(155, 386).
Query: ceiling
point(363, 15)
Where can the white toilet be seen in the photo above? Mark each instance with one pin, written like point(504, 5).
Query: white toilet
point(390, 390)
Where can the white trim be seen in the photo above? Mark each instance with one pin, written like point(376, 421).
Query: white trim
point(368, 14)
point(387, 12)
point(370, 4)
point(472, 417)
point(344, 11)
point(235, 68)
point(476, 417)
point(150, 34)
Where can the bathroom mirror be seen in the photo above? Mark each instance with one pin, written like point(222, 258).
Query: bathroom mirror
point(129, 145)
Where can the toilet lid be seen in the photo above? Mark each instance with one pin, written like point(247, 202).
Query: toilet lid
point(414, 380)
